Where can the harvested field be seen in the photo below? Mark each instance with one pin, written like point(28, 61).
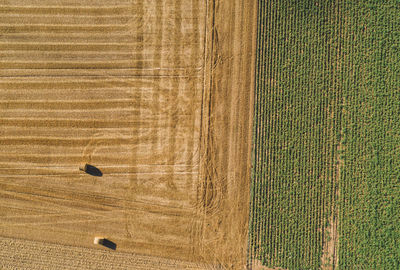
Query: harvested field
point(157, 95)
point(25, 254)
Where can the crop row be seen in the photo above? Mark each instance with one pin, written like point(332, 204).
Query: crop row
point(369, 200)
point(326, 135)
point(296, 110)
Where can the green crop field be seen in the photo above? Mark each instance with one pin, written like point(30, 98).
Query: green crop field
point(326, 144)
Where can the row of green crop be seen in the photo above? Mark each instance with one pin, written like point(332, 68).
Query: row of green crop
point(294, 134)
point(327, 77)
point(369, 201)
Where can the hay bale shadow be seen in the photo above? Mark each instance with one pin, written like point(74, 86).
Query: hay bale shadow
point(92, 170)
point(105, 242)
point(109, 244)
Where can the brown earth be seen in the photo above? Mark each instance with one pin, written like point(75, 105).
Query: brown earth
point(257, 265)
point(25, 254)
point(157, 95)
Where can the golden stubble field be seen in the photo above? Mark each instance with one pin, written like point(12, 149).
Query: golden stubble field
point(157, 94)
